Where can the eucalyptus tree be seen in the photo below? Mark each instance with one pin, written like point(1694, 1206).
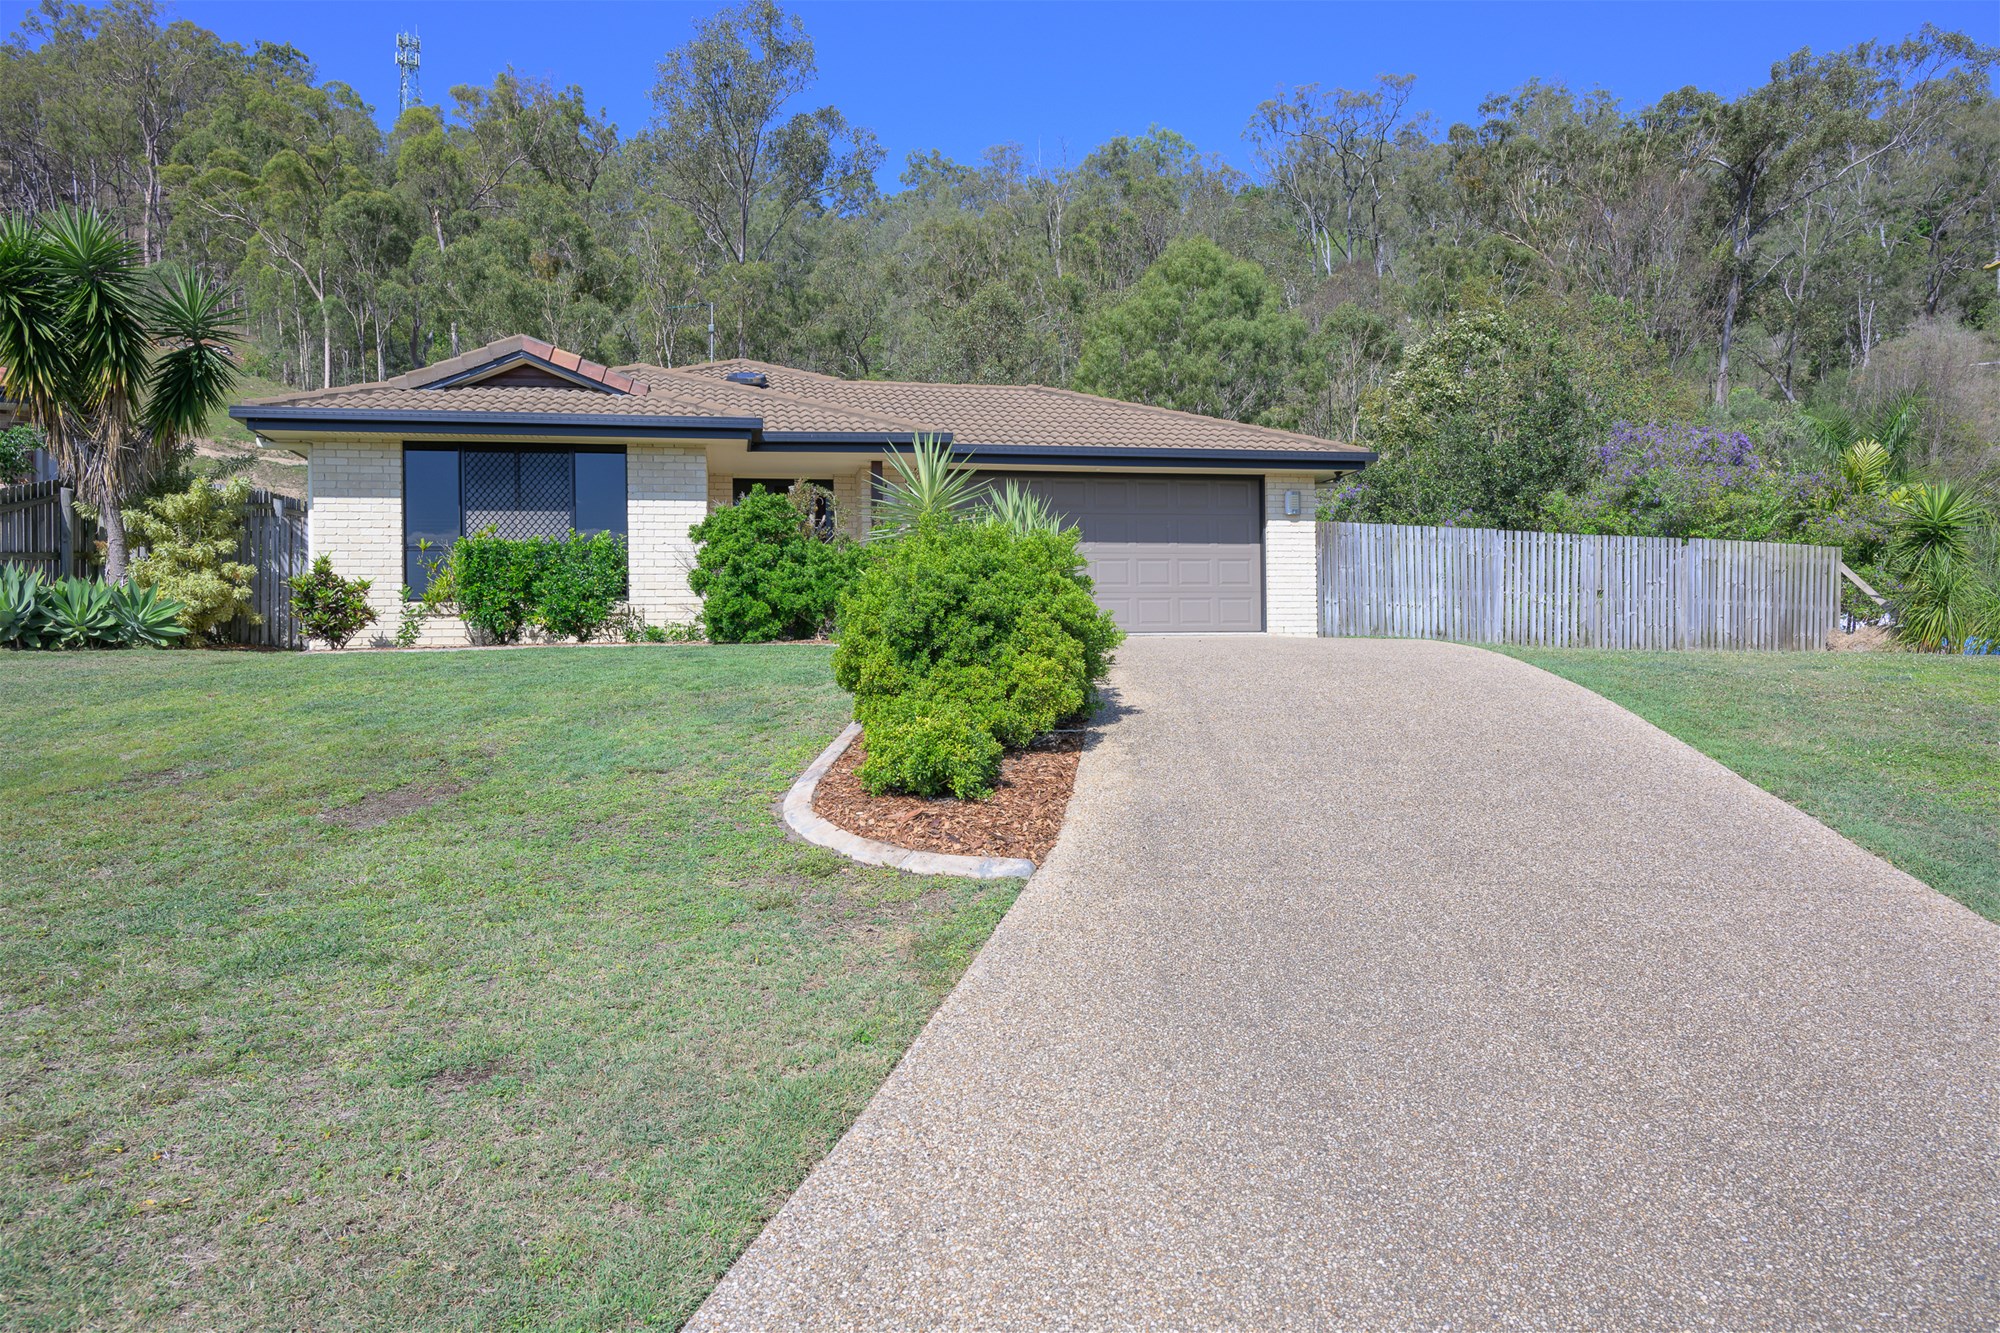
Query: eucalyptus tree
point(1818, 120)
point(119, 364)
point(723, 148)
point(1328, 153)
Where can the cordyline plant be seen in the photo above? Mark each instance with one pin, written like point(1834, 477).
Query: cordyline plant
point(119, 364)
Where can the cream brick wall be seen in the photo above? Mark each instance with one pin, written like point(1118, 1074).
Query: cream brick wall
point(666, 493)
point(718, 490)
point(1291, 556)
point(848, 488)
point(355, 515)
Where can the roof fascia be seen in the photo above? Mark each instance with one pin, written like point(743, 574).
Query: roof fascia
point(389, 421)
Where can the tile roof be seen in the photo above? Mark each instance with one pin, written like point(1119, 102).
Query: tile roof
point(1001, 414)
point(783, 413)
point(503, 398)
point(800, 403)
point(499, 355)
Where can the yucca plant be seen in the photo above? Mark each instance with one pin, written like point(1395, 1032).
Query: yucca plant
point(118, 364)
point(79, 614)
point(22, 622)
point(1942, 597)
point(926, 485)
point(146, 619)
point(1016, 507)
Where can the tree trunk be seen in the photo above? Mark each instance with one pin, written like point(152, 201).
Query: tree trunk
point(1729, 304)
point(113, 520)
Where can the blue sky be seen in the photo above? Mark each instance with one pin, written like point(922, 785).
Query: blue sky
point(961, 76)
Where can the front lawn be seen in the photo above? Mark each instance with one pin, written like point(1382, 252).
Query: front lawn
point(1898, 751)
point(454, 990)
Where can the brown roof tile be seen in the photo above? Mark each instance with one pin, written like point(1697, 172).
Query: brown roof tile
point(801, 402)
point(997, 414)
point(783, 413)
point(479, 398)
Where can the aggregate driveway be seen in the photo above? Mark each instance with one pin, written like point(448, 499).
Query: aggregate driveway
point(1400, 985)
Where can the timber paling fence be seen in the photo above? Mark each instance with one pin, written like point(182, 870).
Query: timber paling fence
point(41, 530)
point(1559, 589)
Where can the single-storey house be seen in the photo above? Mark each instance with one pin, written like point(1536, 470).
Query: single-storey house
point(1190, 524)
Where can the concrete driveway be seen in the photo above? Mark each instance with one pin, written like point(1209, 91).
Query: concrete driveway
point(1399, 985)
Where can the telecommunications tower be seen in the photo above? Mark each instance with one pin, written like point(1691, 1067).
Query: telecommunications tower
point(407, 50)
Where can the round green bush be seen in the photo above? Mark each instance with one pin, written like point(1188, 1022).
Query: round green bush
point(763, 575)
point(976, 625)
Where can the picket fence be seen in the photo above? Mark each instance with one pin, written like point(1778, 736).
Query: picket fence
point(1570, 590)
point(41, 530)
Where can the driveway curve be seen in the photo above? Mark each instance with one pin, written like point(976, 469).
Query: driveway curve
point(1403, 985)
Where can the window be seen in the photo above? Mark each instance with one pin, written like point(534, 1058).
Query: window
point(822, 509)
point(518, 493)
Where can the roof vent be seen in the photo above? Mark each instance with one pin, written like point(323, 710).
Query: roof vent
point(756, 379)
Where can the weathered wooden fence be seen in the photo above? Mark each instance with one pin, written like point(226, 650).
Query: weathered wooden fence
point(1569, 590)
point(40, 529)
point(274, 540)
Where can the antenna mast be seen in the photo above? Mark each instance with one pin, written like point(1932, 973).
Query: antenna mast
point(407, 59)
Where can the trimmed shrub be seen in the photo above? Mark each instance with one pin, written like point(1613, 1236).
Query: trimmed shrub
point(579, 584)
point(329, 607)
point(191, 538)
point(763, 573)
point(975, 625)
point(929, 746)
point(493, 581)
point(567, 588)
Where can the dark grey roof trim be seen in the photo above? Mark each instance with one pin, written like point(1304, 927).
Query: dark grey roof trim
point(1261, 459)
point(491, 368)
point(870, 439)
point(389, 421)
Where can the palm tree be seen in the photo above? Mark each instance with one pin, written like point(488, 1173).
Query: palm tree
point(119, 364)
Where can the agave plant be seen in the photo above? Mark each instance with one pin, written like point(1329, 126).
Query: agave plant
point(146, 619)
point(926, 486)
point(1942, 598)
point(1015, 506)
point(79, 614)
point(21, 620)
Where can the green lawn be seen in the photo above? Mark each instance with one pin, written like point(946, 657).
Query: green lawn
point(1899, 751)
point(458, 990)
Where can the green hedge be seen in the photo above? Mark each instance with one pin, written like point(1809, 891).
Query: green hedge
point(762, 574)
point(962, 637)
point(566, 588)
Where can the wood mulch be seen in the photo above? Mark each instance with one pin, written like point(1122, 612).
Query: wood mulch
point(1021, 818)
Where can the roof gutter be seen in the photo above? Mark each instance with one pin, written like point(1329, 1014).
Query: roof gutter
point(1263, 460)
point(379, 421)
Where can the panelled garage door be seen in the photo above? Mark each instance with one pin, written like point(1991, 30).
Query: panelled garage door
point(1169, 554)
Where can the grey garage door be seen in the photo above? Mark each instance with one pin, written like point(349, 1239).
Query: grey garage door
point(1169, 554)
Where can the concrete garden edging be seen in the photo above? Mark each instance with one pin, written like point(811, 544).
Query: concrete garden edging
point(801, 819)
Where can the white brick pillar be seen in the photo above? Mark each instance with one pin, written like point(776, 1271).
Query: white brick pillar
point(1291, 555)
point(666, 493)
point(355, 515)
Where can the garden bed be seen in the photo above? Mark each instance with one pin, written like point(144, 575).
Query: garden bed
point(1022, 818)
